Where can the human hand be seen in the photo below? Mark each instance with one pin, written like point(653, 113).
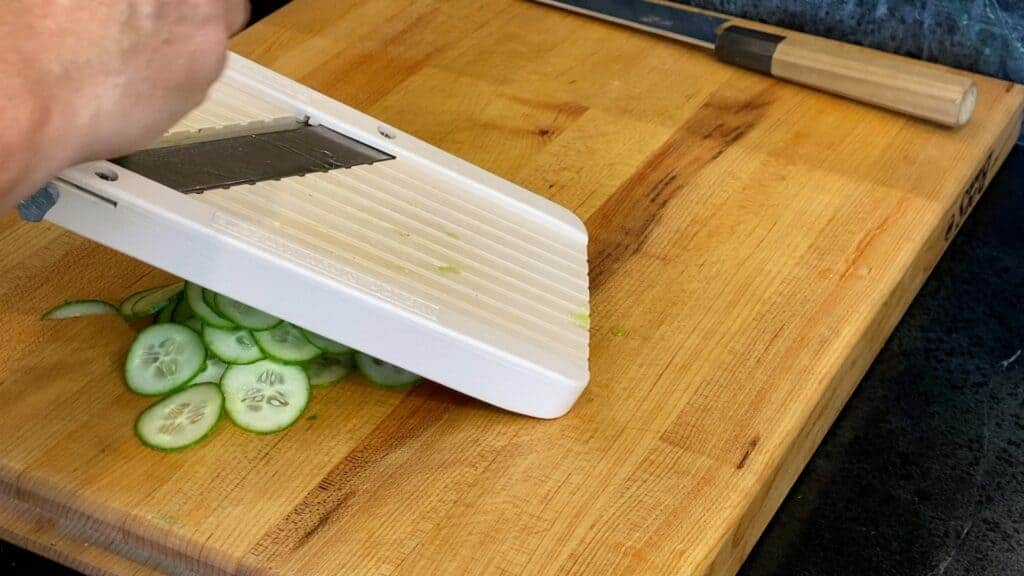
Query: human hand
point(106, 77)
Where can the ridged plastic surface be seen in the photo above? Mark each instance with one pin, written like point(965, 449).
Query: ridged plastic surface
point(227, 105)
point(433, 240)
point(422, 260)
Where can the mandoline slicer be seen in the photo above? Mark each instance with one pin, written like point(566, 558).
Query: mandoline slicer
point(296, 204)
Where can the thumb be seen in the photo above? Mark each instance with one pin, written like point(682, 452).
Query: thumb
point(237, 14)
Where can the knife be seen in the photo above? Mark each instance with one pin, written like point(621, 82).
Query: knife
point(869, 76)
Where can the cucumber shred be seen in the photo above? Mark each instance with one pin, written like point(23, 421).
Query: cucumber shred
point(80, 308)
point(286, 343)
point(181, 420)
point(383, 374)
point(182, 311)
point(209, 296)
point(194, 294)
point(328, 346)
point(163, 357)
point(236, 346)
point(167, 312)
point(211, 373)
point(195, 324)
point(128, 304)
point(156, 299)
point(244, 315)
point(328, 369)
point(149, 301)
point(266, 396)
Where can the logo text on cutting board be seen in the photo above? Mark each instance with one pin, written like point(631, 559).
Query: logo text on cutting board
point(968, 198)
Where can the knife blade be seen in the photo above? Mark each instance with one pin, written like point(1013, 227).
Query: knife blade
point(692, 27)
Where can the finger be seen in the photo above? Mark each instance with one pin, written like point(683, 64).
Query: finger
point(238, 12)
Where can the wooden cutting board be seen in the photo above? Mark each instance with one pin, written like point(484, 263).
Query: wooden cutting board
point(752, 246)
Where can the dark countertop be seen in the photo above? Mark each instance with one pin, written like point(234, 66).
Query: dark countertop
point(922, 474)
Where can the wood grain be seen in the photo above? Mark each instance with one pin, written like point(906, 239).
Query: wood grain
point(753, 244)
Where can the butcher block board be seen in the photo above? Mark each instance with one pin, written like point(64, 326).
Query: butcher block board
point(752, 245)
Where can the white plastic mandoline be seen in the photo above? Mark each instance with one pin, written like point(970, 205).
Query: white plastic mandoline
point(424, 261)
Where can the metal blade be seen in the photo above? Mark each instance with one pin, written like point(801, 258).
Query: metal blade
point(676, 22)
point(197, 166)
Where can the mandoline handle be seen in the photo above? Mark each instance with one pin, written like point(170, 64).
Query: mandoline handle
point(870, 76)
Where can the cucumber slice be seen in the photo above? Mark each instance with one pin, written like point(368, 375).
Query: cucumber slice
point(195, 324)
point(211, 374)
point(182, 311)
point(128, 304)
point(194, 294)
point(327, 370)
point(156, 299)
point(286, 343)
point(180, 420)
point(79, 308)
point(328, 346)
point(266, 396)
point(163, 358)
point(235, 346)
point(383, 374)
point(209, 296)
point(244, 315)
point(167, 312)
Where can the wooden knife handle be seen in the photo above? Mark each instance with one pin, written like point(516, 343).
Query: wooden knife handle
point(870, 76)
